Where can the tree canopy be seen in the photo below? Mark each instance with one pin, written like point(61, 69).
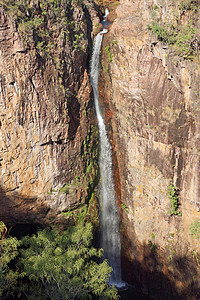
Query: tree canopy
point(55, 264)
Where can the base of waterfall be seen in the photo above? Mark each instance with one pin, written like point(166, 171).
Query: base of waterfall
point(120, 286)
point(131, 292)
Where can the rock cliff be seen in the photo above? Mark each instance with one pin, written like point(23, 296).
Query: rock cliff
point(48, 136)
point(151, 98)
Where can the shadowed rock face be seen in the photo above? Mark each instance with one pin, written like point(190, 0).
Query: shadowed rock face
point(46, 114)
point(154, 97)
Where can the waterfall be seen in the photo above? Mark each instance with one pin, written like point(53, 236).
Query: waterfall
point(109, 218)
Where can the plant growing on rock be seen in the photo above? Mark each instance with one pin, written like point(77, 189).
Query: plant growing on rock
point(152, 246)
point(189, 5)
point(183, 38)
point(174, 201)
point(171, 247)
point(113, 42)
point(44, 24)
point(107, 49)
point(195, 229)
point(124, 207)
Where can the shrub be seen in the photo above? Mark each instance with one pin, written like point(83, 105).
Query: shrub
point(183, 40)
point(40, 22)
point(124, 207)
point(182, 37)
point(189, 5)
point(107, 49)
point(161, 31)
point(152, 246)
point(174, 202)
point(195, 229)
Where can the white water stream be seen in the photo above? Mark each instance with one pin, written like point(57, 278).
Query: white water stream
point(109, 219)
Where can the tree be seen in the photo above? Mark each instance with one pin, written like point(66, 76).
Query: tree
point(8, 252)
point(62, 265)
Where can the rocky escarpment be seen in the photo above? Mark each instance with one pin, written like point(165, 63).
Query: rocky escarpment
point(48, 136)
point(151, 97)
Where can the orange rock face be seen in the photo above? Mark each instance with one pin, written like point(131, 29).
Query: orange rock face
point(154, 97)
point(46, 118)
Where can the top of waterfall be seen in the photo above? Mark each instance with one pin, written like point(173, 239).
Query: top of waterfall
point(104, 22)
point(106, 12)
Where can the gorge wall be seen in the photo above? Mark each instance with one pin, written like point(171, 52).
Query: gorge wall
point(151, 98)
point(48, 135)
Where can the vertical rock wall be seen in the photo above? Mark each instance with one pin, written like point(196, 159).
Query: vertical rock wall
point(48, 137)
point(153, 95)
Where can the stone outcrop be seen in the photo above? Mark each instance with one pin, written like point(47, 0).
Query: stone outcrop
point(151, 98)
point(48, 136)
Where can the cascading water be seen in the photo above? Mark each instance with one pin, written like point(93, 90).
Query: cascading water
point(109, 219)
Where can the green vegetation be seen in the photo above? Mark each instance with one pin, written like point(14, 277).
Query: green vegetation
point(40, 23)
point(107, 49)
point(113, 4)
point(195, 256)
point(164, 33)
point(124, 207)
point(195, 229)
point(8, 253)
point(90, 158)
point(51, 191)
point(152, 246)
point(77, 213)
point(183, 38)
point(78, 42)
point(174, 201)
point(113, 42)
point(190, 5)
point(84, 178)
point(171, 248)
point(109, 56)
point(65, 189)
point(54, 264)
point(105, 68)
point(62, 263)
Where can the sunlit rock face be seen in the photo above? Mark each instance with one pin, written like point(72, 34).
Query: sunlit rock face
point(152, 100)
point(47, 129)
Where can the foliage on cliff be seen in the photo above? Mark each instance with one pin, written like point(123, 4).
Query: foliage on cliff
point(54, 265)
point(195, 229)
point(42, 22)
point(174, 201)
point(179, 29)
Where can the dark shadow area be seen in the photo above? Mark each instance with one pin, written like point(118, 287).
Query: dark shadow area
point(74, 113)
point(21, 230)
point(132, 293)
point(150, 274)
point(157, 278)
point(17, 209)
